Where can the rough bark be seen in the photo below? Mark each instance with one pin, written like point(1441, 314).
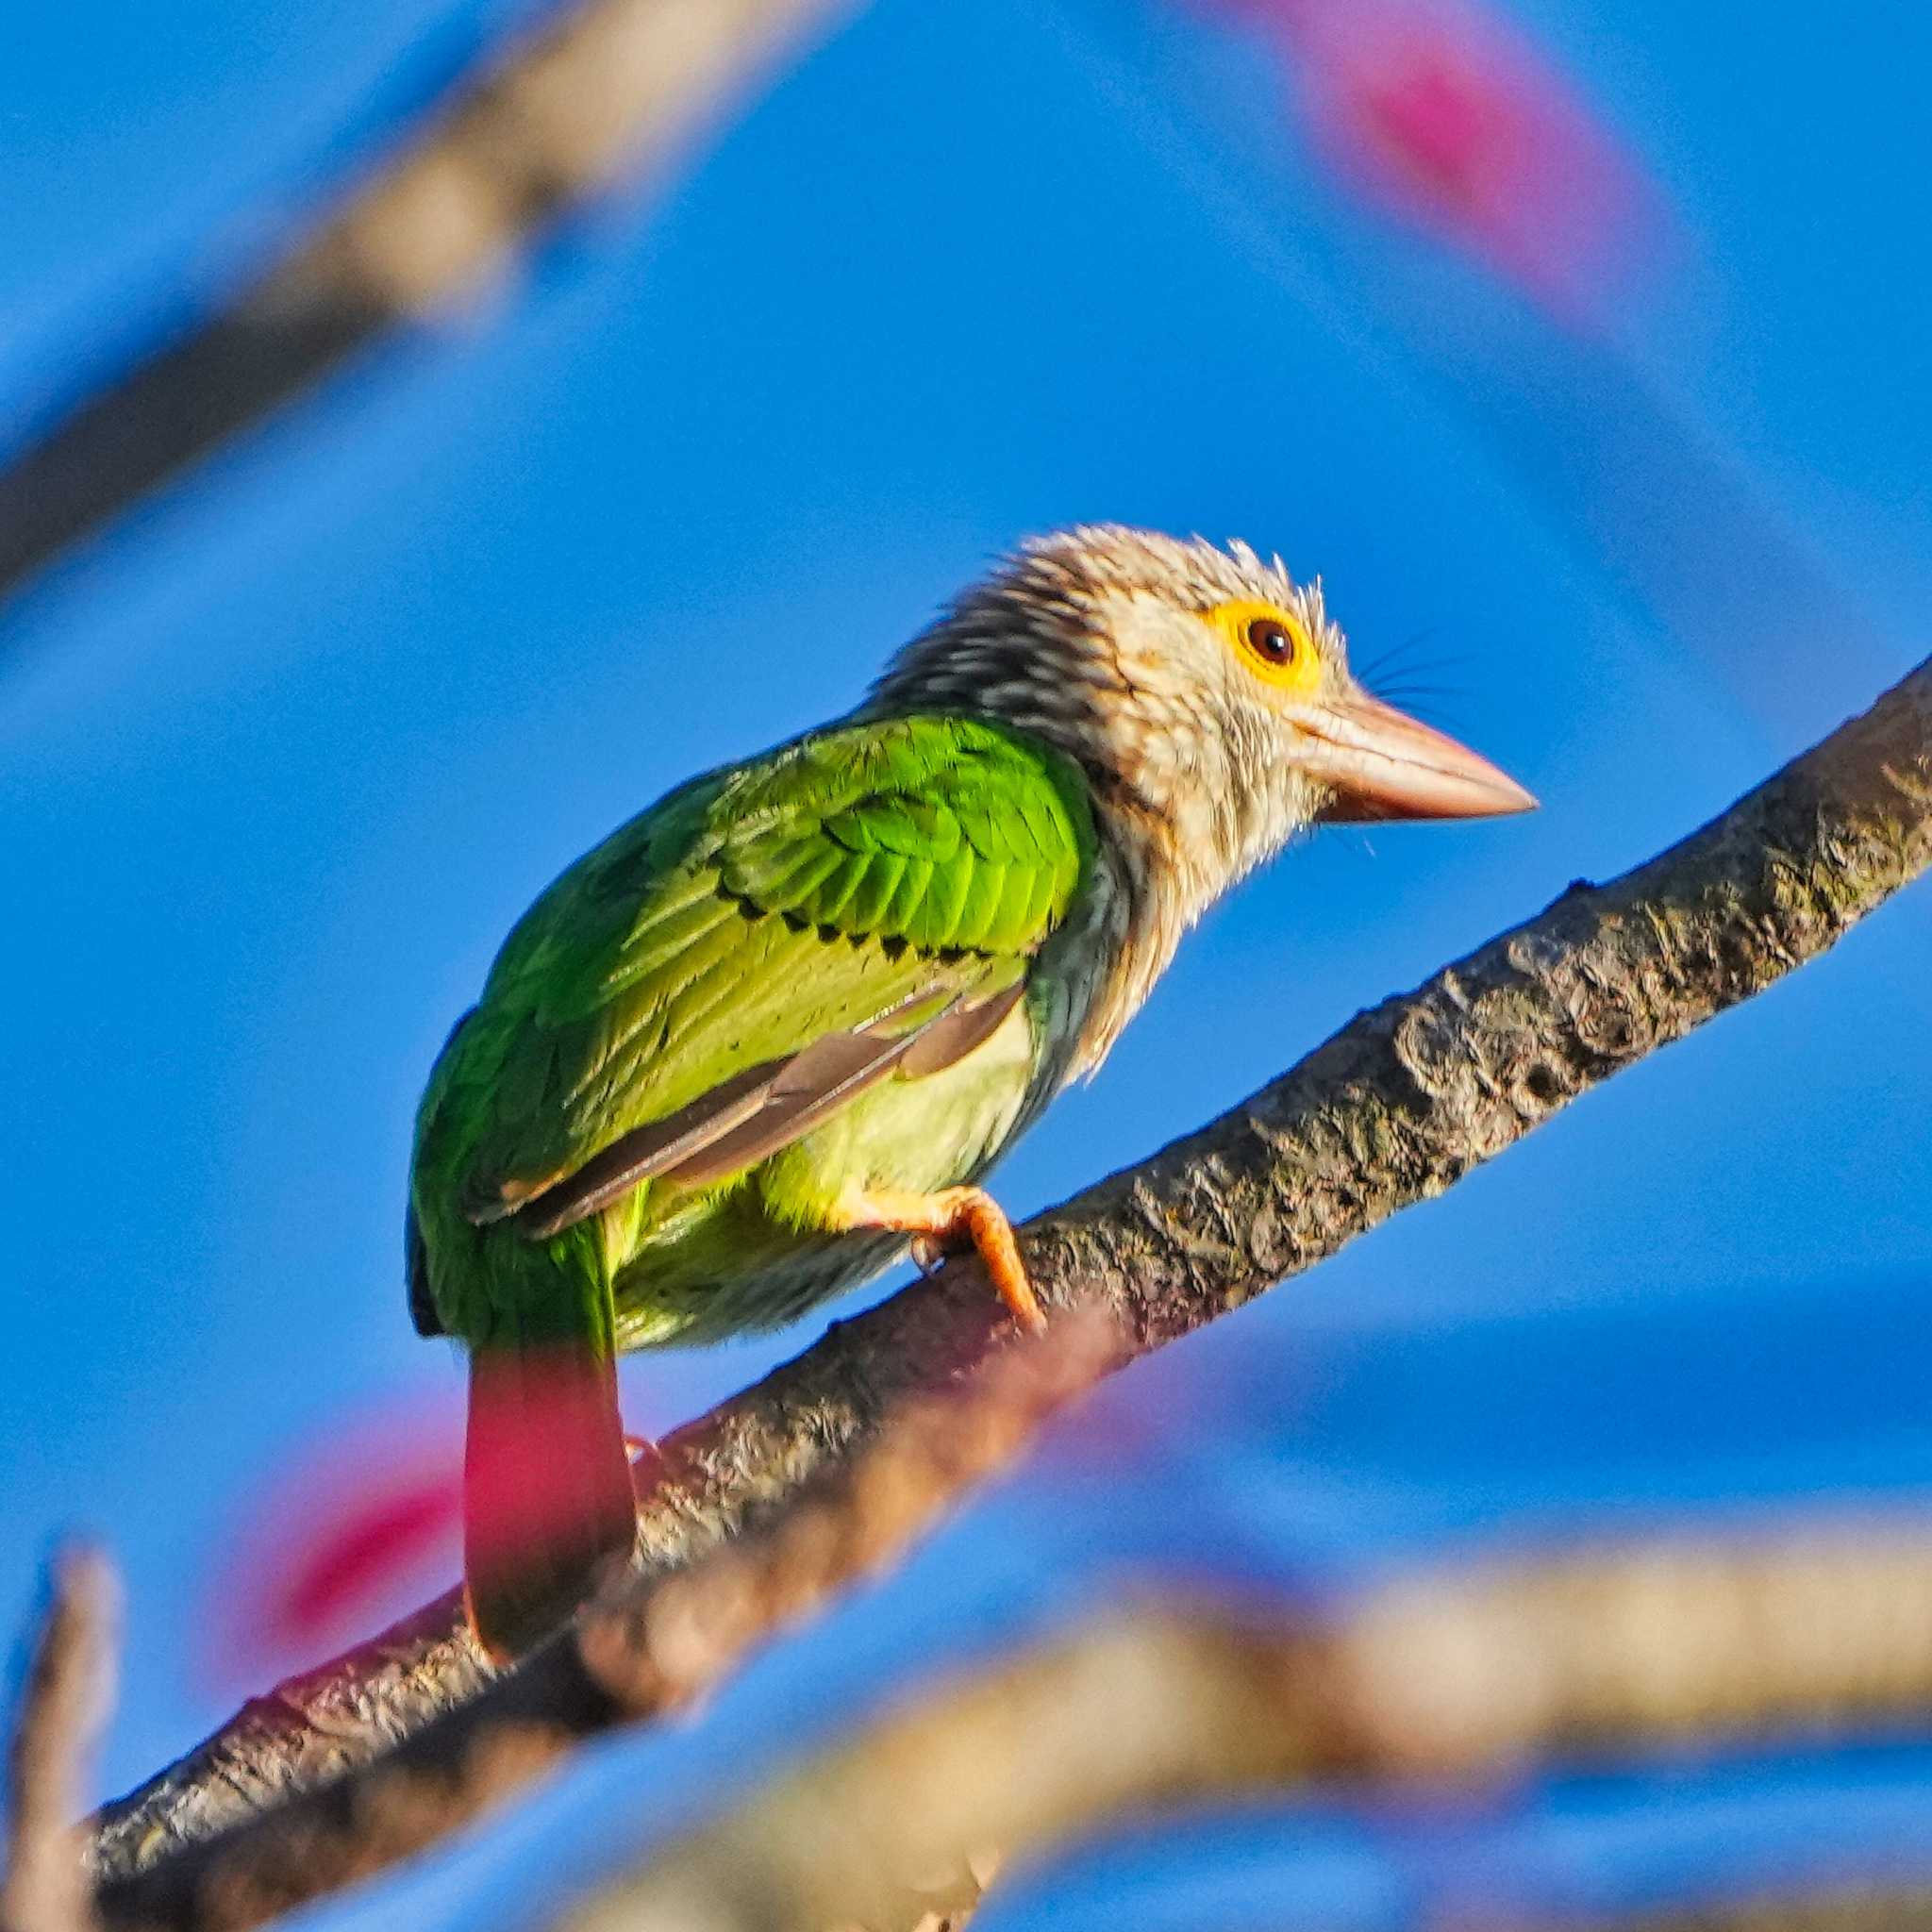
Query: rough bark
point(612, 87)
point(1391, 1109)
point(1451, 1678)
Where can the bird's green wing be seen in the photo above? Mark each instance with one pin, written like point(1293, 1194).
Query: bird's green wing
point(730, 967)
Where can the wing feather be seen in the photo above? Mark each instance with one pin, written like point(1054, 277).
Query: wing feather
point(866, 910)
point(951, 1035)
point(644, 1151)
point(813, 1085)
point(727, 971)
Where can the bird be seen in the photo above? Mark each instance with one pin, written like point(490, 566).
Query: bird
point(778, 1026)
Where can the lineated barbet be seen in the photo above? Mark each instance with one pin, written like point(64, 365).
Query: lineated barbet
point(785, 1020)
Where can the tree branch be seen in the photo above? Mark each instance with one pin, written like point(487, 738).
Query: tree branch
point(1392, 1110)
point(656, 1644)
point(65, 1695)
point(613, 87)
point(1461, 1678)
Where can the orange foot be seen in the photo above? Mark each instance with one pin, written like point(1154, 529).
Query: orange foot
point(953, 1214)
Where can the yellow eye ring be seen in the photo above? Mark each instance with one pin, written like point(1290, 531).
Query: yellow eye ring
point(1271, 643)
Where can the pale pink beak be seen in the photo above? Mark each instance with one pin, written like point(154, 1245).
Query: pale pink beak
point(1384, 764)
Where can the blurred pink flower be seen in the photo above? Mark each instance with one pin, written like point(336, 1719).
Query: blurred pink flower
point(1448, 116)
point(352, 1532)
point(366, 1519)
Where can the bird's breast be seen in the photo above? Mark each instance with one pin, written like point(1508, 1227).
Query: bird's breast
point(758, 1252)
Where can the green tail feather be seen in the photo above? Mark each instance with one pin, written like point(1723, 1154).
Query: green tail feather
point(548, 1503)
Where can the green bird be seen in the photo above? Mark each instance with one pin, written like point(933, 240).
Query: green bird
point(784, 1021)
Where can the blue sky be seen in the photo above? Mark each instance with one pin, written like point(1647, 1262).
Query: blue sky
point(281, 761)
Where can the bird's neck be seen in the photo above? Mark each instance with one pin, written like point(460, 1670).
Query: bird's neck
point(1173, 849)
point(1157, 889)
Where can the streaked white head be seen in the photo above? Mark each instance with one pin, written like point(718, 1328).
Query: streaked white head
point(1209, 697)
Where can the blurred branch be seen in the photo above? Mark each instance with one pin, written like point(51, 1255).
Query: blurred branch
point(1445, 1678)
point(1392, 1110)
point(1870, 1907)
point(66, 1692)
point(613, 88)
point(658, 1644)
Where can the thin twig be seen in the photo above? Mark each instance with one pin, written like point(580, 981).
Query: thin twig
point(1392, 1110)
point(65, 1697)
point(612, 88)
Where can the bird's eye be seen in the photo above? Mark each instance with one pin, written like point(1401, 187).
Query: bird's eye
point(1272, 643)
point(1271, 640)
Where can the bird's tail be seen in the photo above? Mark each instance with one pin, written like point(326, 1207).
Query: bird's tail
point(548, 1502)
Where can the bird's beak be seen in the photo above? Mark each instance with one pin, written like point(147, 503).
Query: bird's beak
point(1381, 763)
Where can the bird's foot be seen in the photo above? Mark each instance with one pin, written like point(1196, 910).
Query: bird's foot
point(966, 1215)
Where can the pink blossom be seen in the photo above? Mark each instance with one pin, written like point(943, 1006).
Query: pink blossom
point(1448, 117)
point(354, 1529)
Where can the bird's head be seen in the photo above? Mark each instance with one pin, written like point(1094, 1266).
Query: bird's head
point(1206, 694)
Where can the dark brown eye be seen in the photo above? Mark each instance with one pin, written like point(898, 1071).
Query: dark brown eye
point(1268, 638)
